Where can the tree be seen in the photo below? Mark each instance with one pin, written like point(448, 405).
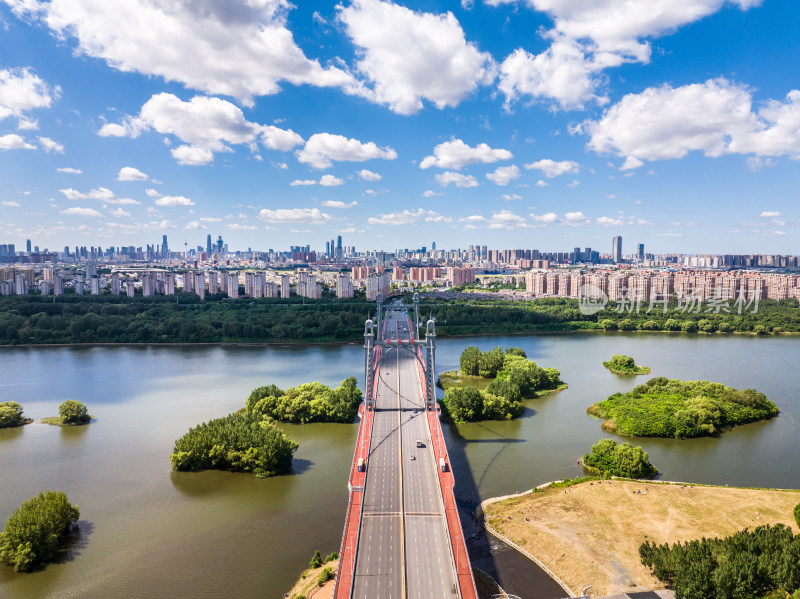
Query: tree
point(797, 514)
point(34, 530)
point(316, 561)
point(490, 363)
point(470, 358)
point(11, 414)
point(465, 404)
point(73, 412)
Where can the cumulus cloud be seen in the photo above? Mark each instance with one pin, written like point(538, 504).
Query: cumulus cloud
point(369, 175)
point(239, 48)
point(76, 211)
point(101, 193)
point(408, 217)
point(330, 181)
point(606, 221)
point(205, 125)
point(551, 168)
point(456, 179)
point(50, 145)
point(500, 220)
point(541, 183)
point(308, 216)
point(631, 163)
point(152, 193)
point(128, 173)
point(409, 56)
point(11, 203)
point(510, 197)
point(118, 213)
point(301, 182)
point(716, 117)
point(172, 201)
point(575, 218)
point(240, 227)
point(429, 193)
point(769, 214)
point(69, 170)
point(503, 175)
point(456, 154)
point(21, 90)
point(12, 141)
point(338, 204)
point(323, 148)
point(547, 218)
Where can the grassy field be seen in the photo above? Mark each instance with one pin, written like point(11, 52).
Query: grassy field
point(590, 533)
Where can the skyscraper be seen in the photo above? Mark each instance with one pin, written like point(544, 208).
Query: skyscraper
point(339, 252)
point(208, 244)
point(640, 252)
point(28, 245)
point(616, 249)
point(164, 247)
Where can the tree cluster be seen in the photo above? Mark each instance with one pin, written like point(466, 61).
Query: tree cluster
point(73, 412)
point(11, 414)
point(244, 443)
point(469, 404)
point(621, 364)
point(627, 460)
point(35, 529)
point(682, 409)
point(310, 402)
point(745, 565)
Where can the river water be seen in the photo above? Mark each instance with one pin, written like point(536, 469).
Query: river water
point(149, 532)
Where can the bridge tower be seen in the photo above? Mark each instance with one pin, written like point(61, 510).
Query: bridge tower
point(416, 316)
point(369, 365)
point(379, 317)
point(430, 354)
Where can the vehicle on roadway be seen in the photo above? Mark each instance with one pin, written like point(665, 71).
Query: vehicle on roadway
point(361, 465)
point(420, 443)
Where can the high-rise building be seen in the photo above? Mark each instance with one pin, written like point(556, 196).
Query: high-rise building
point(616, 249)
point(164, 247)
point(28, 246)
point(233, 285)
point(640, 252)
point(208, 244)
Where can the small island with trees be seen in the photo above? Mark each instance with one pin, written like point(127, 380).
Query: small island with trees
point(491, 385)
point(251, 441)
point(682, 409)
point(11, 415)
point(621, 364)
point(36, 530)
point(608, 458)
point(70, 413)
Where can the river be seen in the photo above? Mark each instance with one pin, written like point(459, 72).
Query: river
point(148, 531)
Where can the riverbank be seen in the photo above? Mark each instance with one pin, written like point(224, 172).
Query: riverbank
point(308, 584)
point(589, 533)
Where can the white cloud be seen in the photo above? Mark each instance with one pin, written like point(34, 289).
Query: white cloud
point(128, 173)
point(12, 141)
point(715, 117)
point(429, 193)
point(119, 213)
point(21, 91)
point(330, 181)
point(573, 184)
point(204, 124)
point(369, 175)
point(459, 180)
point(338, 204)
point(323, 148)
point(210, 219)
point(193, 225)
point(410, 56)
point(308, 216)
point(606, 221)
point(49, 145)
point(547, 218)
point(575, 218)
point(11, 203)
point(503, 175)
point(102, 193)
point(500, 220)
point(510, 197)
point(75, 211)
point(769, 214)
point(69, 170)
point(375, 192)
point(456, 154)
point(239, 48)
point(238, 227)
point(174, 201)
point(408, 217)
point(300, 182)
point(541, 183)
point(152, 193)
point(631, 163)
point(551, 168)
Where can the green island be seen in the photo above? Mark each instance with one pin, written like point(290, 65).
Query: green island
point(11, 415)
point(36, 530)
point(250, 440)
point(672, 408)
point(626, 460)
point(621, 364)
point(36, 319)
point(491, 385)
point(70, 413)
point(310, 402)
point(764, 562)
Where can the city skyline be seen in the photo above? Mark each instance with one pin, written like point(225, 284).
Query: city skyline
point(527, 124)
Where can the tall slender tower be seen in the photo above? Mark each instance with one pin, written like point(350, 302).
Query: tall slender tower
point(616, 249)
point(208, 244)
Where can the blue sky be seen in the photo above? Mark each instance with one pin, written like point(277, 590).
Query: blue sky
point(542, 124)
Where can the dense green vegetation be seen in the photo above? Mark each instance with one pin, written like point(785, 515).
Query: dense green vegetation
point(73, 412)
point(311, 402)
point(494, 383)
point(238, 442)
point(630, 461)
point(34, 531)
point(673, 408)
point(797, 514)
point(11, 415)
point(620, 364)
point(745, 565)
point(37, 319)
